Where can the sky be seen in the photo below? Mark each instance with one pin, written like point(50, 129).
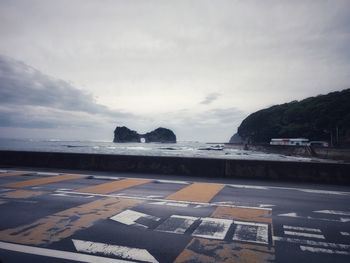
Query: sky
point(77, 69)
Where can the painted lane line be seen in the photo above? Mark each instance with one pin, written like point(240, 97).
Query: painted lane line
point(323, 250)
point(162, 200)
point(345, 233)
point(237, 203)
point(302, 234)
point(171, 182)
point(53, 253)
point(2, 202)
point(5, 190)
point(47, 173)
point(251, 232)
point(37, 187)
point(153, 196)
point(213, 228)
point(170, 204)
point(114, 186)
point(256, 187)
point(177, 224)
point(64, 189)
point(311, 242)
point(266, 205)
point(295, 215)
point(298, 228)
point(333, 212)
point(113, 250)
point(250, 223)
point(102, 177)
point(45, 180)
point(313, 191)
point(129, 217)
point(76, 196)
point(305, 190)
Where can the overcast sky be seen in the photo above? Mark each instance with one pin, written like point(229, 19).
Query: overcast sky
point(76, 69)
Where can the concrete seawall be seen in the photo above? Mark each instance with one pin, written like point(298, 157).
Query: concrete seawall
point(334, 173)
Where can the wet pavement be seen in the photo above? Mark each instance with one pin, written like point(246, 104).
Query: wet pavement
point(65, 216)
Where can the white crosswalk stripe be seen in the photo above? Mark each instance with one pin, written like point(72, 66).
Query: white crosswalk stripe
point(177, 224)
point(213, 228)
point(251, 232)
point(298, 228)
point(302, 234)
point(323, 250)
point(123, 252)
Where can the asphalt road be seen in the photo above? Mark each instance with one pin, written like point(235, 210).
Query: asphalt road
point(65, 216)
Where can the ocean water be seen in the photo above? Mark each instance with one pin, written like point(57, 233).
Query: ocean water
point(182, 149)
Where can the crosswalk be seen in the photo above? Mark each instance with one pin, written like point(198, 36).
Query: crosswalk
point(308, 240)
point(205, 227)
point(196, 214)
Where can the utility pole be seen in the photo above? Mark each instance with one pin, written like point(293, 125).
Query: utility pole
point(337, 134)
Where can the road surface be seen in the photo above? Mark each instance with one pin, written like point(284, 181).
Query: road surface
point(65, 216)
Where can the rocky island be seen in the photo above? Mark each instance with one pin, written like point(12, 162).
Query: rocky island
point(161, 135)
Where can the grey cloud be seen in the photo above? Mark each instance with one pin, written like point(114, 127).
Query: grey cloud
point(210, 98)
point(32, 99)
point(217, 124)
point(21, 84)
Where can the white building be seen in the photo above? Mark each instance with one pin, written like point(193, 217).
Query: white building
point(290, 141)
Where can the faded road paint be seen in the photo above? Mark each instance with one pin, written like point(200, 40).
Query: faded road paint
point(114, 186)
point(53, 253)
point(21, 194)
point(128, 253)
point(245, 214)
point(197, 192)
point(64, 224)
point(298, 228)
point(203, 250)
point(251, 232)
point(129, 217)
point(177, 224)
point(213, 228)
point(13, 174)
point(45, 180)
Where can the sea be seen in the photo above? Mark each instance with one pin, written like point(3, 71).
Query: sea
point(181, 149)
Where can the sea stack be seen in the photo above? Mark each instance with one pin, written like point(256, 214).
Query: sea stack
point(124, 134)
point(159, 135)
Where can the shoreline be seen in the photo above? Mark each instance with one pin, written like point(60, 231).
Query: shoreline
point(325, 153)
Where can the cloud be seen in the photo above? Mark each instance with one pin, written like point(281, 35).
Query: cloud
point(215, 125)
point(31, 99)
point(210, 98)
point(24, 85)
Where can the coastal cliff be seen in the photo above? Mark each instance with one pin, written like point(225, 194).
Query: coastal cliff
point(161, 135)
point(324, 117)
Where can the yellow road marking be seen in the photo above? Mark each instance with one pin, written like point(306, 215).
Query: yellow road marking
point(65, 223)
point(203, 250)
point(245, 214)
point(114, 186)
point(197, 192)
point(13, 174)
point(21, 194)
point(45, 180)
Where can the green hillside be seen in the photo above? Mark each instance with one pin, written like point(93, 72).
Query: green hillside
point(324, 117)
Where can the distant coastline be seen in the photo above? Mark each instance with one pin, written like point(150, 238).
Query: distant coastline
point(332, 153)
